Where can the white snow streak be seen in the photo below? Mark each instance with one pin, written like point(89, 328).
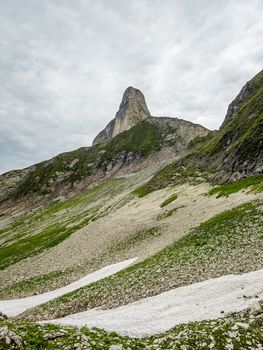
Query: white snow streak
point(17, 306)
point(200, 301)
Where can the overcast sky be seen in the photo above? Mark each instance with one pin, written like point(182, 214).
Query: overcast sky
point(64, 65)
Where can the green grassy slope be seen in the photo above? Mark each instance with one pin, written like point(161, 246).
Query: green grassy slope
point(230, 242)
point(144, 139)
point(252, 184)
point(50, 281)
point(46, 227)
point(74, 165)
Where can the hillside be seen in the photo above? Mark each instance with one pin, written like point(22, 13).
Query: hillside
point(149, 239)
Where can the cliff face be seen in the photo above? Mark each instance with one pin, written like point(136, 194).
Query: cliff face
point(133, 109)
point(233, 152)
point(241, 135)
point(247, 91)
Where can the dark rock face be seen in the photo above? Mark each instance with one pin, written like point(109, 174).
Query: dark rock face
point(242, 130)
point(133, 109)
point(234, 106)
point(174, 136)
point(250, 89)
point(123, 159)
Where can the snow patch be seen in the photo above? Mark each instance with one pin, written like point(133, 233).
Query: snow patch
point(206, 300)
point(17, 306)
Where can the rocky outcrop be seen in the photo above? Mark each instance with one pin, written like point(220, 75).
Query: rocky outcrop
point(178, 133)
point(10, 180)
point(159, 138)
point(133, 109)
point(247, 91)
point(234, 106)
point(10, 338)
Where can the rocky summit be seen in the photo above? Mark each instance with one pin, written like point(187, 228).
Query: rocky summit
point(133, 109)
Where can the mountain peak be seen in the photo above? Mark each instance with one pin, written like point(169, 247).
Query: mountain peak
point(132, 110)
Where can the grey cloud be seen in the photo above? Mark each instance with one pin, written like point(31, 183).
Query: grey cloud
point(65, 64)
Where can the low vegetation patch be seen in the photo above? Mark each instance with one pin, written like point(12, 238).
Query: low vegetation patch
point(73, 166)
point(253, 183)
point(176, 174)
point(144, 138)
point(49, 237)
point(168, 213)
point(25, 287)
point(134, 239)
point(48, 226)
point(168, 200)
point(210, 250)
point(142, 191)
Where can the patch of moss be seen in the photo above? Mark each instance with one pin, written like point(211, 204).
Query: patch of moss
point(132, 240)
point(144, 138)
point(168, 213)
point(142, 191)
point(168, 200)
point(254, 183)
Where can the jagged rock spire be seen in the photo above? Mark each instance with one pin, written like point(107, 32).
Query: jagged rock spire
point(133, 109)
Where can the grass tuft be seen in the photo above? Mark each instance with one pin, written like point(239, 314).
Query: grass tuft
point(168, 213)
point(168, 200)
point(142, 191)
point(254, 183)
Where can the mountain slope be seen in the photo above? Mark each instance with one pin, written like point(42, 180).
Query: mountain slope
point(233, 152)
point(72, 172)
point(145, 193)
point(212, 249)
point(239, 143)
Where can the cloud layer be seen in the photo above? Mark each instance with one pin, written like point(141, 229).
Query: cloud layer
point(64, 65)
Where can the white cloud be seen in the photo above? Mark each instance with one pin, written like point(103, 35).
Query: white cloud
point(65, 64)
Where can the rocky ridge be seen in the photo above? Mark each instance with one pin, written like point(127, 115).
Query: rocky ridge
point(132, 141)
